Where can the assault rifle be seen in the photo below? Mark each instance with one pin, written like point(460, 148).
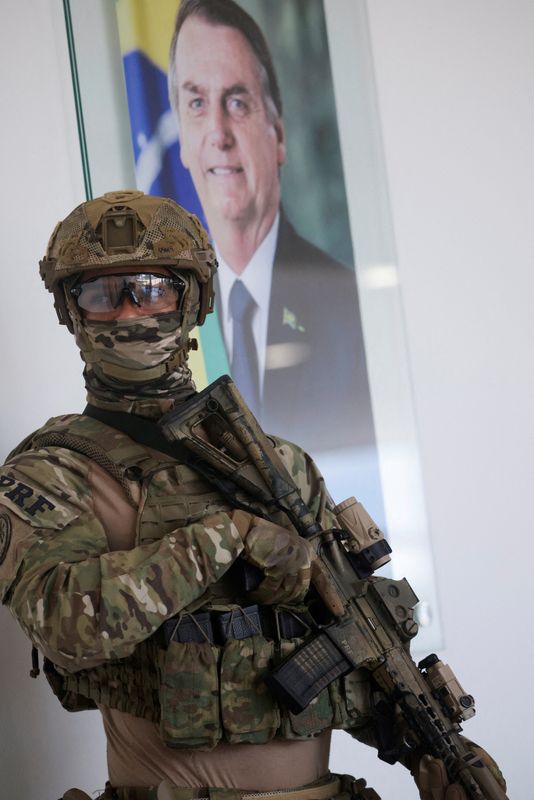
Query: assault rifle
point(369, 620)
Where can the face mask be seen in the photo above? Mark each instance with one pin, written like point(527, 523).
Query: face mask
point(132, 358)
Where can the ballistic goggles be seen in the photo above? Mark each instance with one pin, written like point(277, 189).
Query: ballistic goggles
point(149, 291)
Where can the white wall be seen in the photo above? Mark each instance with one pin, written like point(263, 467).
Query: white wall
point(455, 85)
point(43, 749)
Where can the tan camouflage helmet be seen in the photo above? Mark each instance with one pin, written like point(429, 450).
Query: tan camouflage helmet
point(130, 228)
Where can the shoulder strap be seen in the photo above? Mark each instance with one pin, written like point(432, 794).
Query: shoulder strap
point(140, 429)
point(146, 432)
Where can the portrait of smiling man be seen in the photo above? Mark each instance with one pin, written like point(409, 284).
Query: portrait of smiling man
point(232, 140)
point(289, 312)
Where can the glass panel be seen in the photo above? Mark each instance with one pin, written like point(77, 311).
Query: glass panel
point(102, 107)
point(334, 376)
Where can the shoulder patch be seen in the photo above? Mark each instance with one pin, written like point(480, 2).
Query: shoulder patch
point(31, 503)
point(5, 536)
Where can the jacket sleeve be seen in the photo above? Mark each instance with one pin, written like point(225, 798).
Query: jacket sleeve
point(79, 603)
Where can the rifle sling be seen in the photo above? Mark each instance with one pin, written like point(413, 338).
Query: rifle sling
point(147, 432)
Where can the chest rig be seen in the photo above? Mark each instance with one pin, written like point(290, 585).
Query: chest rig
point(201, 676)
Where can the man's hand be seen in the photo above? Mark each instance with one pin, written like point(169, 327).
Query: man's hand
point(283, 556)
point(432, 781)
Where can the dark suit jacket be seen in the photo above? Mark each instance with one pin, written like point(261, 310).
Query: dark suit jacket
point(321, 398)
point(316, 389)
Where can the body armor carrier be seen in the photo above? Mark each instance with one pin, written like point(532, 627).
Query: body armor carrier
point(201, 676)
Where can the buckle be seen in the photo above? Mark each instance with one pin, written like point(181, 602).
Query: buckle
point(239, 623)
point(195, 627)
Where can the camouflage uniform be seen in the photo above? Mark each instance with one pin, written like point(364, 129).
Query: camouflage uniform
point(104, 540)
point(95, 611)
point(117, 559)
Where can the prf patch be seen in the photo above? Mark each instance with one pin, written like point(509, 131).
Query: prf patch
point(5, 536)
point(24, 496)
point(26, 501)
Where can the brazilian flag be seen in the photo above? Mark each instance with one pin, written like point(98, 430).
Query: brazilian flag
point(145, 29)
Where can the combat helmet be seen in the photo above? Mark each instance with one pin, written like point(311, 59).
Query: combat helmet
point(130, 228)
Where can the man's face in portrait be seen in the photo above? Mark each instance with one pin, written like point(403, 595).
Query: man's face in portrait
point(230, 140)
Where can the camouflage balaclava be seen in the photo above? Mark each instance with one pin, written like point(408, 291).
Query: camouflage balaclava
point(139, 364)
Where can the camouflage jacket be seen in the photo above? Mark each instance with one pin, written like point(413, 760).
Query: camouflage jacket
point(92, 597)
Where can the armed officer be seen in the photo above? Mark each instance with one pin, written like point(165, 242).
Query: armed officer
point(119, 559)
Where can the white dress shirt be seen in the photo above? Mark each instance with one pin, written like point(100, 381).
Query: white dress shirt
point(257, 277)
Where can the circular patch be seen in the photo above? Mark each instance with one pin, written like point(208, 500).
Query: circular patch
point(5, 536)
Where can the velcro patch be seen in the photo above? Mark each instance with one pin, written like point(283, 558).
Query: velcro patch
point(29, 503)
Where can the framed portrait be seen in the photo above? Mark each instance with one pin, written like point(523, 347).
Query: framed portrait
point(261, 119)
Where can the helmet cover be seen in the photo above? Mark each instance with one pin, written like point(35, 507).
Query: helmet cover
point(145, 356)
point(129, 228)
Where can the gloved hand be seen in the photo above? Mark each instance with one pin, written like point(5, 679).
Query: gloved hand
point(283, 556)
point(431, 776)
point(432, 781)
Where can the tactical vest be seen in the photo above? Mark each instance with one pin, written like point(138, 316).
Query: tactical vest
point(201, 690)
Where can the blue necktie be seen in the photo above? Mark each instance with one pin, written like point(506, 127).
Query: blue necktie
point(244, 357)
